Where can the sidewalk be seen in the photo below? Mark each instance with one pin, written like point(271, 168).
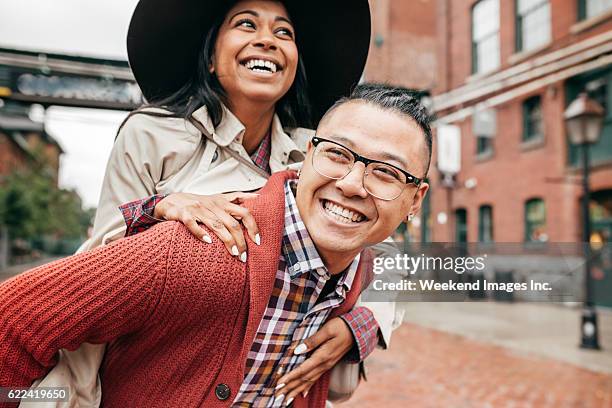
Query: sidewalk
point(489, 355)
point(539, 329)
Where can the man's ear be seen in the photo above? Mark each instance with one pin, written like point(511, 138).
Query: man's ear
point(419, 196)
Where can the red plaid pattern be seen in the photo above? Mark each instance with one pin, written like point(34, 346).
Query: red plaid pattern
point(362, 323)
point(138, 214)
point(261, 156)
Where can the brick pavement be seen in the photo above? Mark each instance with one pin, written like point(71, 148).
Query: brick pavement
point(428, 368)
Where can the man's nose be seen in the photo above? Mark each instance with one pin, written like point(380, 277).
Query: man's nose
point(352, 184)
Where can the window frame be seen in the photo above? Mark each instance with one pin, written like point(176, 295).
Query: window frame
point(582, 11)
point(474, 44)
point(518, 26)
point(481, 226)
point(529, 228)
point(526, 108)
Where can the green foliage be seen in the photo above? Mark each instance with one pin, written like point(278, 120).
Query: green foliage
point(35, 210)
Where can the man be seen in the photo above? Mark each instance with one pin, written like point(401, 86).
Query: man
point(189, 324)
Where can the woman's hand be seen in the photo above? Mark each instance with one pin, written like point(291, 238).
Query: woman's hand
point(221, 213)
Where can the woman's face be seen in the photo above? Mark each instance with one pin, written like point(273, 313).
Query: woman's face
point(256, 56)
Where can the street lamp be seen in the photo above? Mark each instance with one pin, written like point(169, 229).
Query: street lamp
point(583, 119)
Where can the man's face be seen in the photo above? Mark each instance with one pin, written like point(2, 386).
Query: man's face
point(377, 134)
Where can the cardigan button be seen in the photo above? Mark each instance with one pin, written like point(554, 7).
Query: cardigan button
point(222, 391)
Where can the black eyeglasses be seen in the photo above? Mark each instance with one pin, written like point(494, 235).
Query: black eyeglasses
point(382, 180)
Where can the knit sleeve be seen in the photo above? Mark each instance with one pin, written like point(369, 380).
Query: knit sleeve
point(93, 297)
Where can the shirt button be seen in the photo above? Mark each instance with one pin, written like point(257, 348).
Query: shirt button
point(297, 267)
point(222, 391)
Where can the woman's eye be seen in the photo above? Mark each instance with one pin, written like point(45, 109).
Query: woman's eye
point(285, 31)
point(245, 23)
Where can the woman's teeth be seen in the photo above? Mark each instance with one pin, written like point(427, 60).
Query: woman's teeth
point(342, 214)
point(259, 65)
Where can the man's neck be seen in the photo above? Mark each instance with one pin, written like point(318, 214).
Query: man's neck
point(257, 121)
point(337, 262)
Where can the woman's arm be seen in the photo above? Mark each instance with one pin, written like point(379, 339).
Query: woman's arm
point(93, 297)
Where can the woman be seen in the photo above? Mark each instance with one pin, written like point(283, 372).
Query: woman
point(223, 81)
point(246, 84)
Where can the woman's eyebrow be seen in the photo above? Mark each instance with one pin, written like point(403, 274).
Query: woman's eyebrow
point(285, 19)
point(251, 12)
point(256, 14)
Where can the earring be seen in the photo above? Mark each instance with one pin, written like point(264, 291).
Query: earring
point(410, 217)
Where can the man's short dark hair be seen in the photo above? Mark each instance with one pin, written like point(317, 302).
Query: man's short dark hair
point(398, 99)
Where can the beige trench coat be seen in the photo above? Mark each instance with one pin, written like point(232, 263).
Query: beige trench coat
point(155, 155)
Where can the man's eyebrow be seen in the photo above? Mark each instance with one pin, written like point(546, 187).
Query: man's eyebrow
point(256, 14)
point(385, 155)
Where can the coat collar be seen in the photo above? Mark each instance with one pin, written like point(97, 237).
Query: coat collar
point(232, 130)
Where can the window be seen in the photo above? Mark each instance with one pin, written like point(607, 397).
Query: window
point(592, 8)
point(532, 119)
point(535, 221)
point(485, 36)
point(532, 24)
point(485, 223)
point(461, 226)
point(484, 127)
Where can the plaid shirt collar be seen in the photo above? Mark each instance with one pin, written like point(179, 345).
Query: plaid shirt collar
point(300, 252)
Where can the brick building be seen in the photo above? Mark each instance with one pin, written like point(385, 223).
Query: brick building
point(23, 141)
point(507, 70)
point(403, 45)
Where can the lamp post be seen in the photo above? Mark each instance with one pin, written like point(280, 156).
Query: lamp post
point(583, 120)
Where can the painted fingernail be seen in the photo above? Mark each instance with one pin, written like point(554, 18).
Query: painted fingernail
point(289, 401)
point(207, 239)
point(280, 371)
point(257, 239)
point(280, 398)
point(279, 386)
point(300, 349)
point(235, 251)
point(305, 393)
point(243, 256)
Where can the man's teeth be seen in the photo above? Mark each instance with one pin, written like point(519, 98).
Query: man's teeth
point(341, 213)
point(261, 66)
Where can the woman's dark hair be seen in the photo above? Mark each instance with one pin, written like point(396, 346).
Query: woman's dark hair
point(204, 89)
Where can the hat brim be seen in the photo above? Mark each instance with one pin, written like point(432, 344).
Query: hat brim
point(333, 38)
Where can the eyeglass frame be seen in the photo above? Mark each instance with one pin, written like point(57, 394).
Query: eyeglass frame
point(410, 179)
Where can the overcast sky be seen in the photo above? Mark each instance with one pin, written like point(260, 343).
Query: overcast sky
point(80, 27)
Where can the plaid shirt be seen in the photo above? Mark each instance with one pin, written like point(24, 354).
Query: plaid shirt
point(293, 313)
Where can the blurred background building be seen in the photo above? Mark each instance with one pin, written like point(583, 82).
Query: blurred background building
point(37, 216)
point(501, 74)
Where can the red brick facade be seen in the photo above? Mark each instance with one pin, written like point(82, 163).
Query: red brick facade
point(516, 172)
point(403, 46)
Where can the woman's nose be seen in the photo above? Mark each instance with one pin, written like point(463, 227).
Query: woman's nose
point(266, 40)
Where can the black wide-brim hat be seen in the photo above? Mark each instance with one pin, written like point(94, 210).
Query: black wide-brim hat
point(333, 38)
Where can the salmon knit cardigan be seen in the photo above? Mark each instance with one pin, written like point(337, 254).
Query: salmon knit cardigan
point(180, 315)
